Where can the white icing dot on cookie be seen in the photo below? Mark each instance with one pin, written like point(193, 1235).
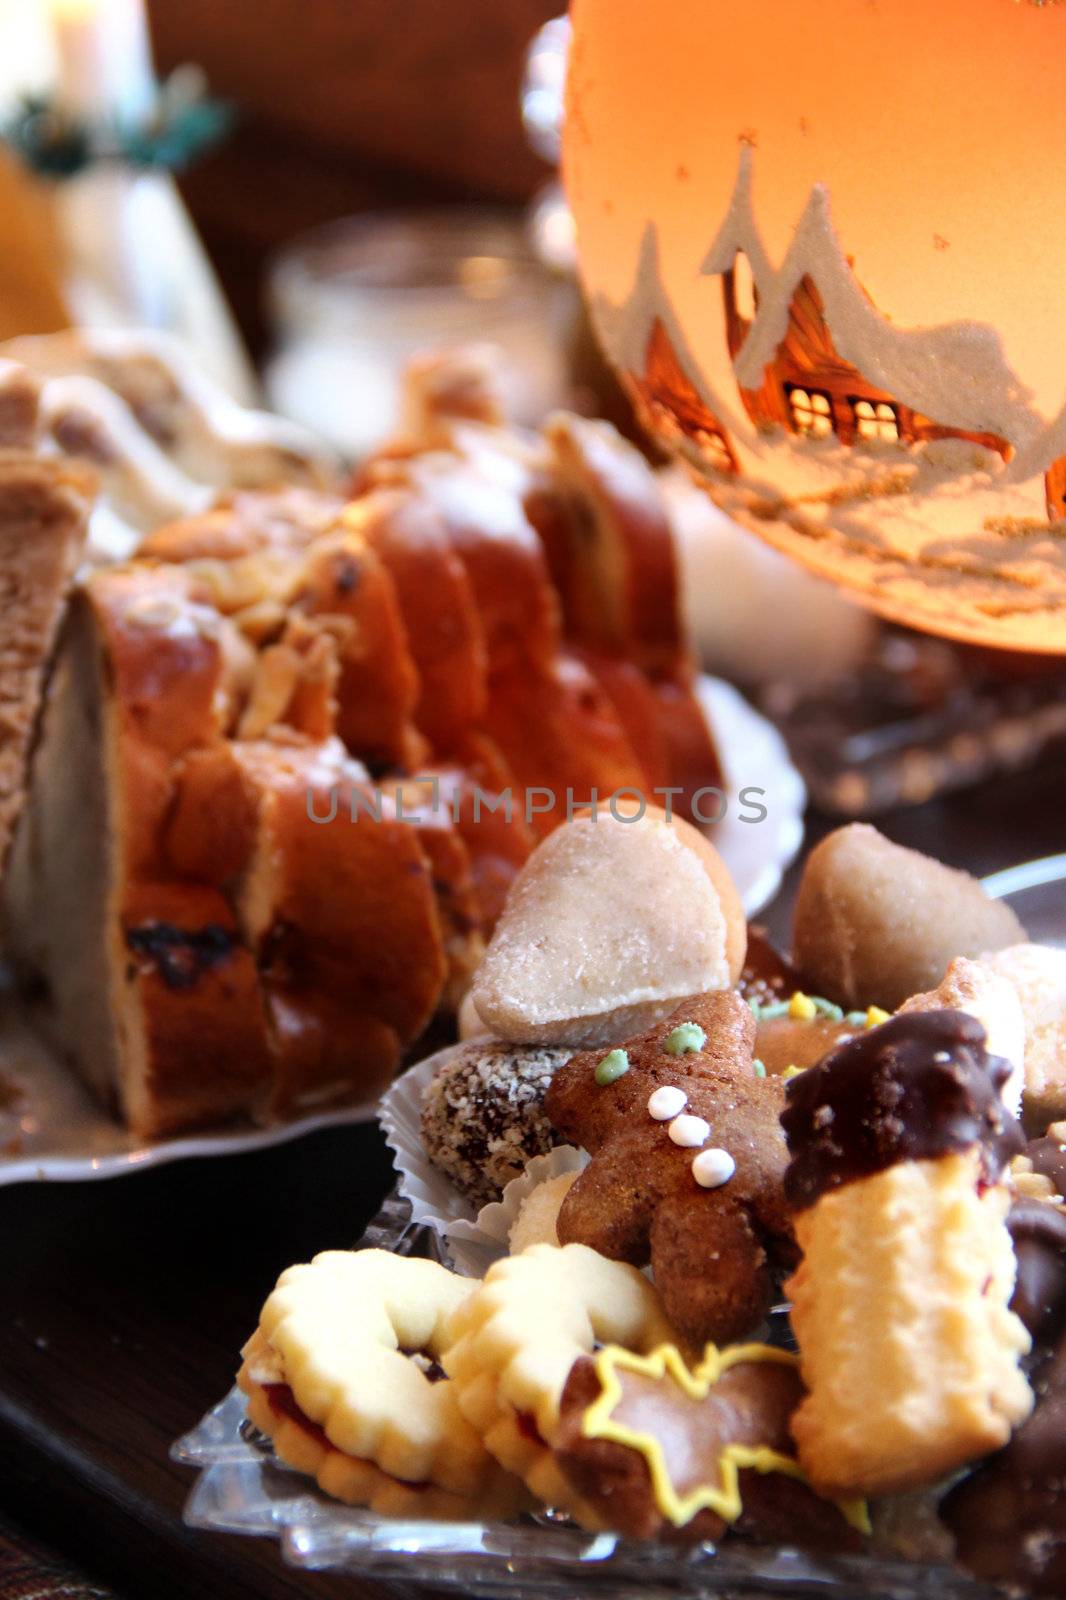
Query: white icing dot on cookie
point(666, 1103)
point(689, 1132)
point(712, 1168)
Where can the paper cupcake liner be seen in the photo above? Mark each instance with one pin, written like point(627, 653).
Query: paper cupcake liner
point(434, 1200)
point(474, 1239)
point(495, 1221)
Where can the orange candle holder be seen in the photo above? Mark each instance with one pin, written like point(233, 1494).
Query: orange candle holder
point(823, 247)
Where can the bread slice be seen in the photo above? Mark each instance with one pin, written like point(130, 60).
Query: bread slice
point(44, 519)
point(481, 794)
point(436, 598)
point(423, 804)
point(620, 591)
point(616, 567)
point(345, 579)
point(151, 994)
point(245, 523)
point(208, 436)
point(562, 737)
point(263, 558)
point(492, 536)
point(336, 901)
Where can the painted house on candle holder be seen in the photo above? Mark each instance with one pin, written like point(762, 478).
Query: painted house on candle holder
point(804, 384)
point(810, 389)
point(658, 370)
point(668, 402)
point(790, 373)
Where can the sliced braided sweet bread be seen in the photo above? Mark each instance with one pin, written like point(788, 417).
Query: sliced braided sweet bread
point(151, 992)
point(296, 751)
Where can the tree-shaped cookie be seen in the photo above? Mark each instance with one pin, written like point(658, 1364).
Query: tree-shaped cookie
point(687, 1167)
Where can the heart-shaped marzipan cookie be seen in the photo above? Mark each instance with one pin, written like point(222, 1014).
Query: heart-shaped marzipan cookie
point(613, 920)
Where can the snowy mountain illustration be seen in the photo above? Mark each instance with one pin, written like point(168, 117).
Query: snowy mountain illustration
point(739, 234)
point(956, 373)
point(812, 355)
point(648, 345)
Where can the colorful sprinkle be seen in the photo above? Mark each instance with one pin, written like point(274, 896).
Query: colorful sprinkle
point(685, 1040)
point(666, 1103)
point(711, 1168)
point(770, 1013)
point(759, 1068)
point(801, 1008)
point(792, 1072)
point(875, 1016)
point(615, 1065)
point(689, 1132)
point(827, 1009)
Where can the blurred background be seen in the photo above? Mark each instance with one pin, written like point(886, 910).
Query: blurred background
point(342, 111)
point(310, 192)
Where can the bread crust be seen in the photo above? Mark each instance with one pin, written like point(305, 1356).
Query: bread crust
point(44, 518)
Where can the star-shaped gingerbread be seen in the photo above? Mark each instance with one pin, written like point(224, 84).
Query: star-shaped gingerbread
point(688, 1163)
point(654, 1445)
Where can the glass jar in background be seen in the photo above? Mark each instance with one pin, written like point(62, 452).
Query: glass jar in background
point(352, 302)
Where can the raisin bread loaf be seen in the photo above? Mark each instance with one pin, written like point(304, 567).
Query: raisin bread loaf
point(296, 751)
point(151, 992)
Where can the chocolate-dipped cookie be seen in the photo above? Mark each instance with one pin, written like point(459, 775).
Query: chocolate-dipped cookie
point(908, 1349)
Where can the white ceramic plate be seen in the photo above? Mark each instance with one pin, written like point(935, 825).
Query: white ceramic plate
point(52, 1129)
point(757, 765)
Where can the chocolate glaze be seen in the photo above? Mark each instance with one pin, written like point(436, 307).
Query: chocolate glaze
point(767, 975)
point(919, 1086)
point(1038, 1229)
point(1049, 1158)
point(1009, 1517)
point(752, 1403)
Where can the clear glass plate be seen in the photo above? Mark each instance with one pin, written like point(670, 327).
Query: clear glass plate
point(1037, 892)
point(242, 1488)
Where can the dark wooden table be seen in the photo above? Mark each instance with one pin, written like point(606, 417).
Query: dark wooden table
point(125, 1302)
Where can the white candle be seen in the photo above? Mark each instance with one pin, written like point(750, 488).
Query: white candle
point(103, 58)
point(26, 55)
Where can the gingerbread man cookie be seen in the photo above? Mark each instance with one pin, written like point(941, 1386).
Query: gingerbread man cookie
point(687, 1167)
point(655, 1444)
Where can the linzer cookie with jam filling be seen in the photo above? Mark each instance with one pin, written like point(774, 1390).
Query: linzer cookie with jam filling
point(512, 1343)
point(342, 1374)
point(898, 1144)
